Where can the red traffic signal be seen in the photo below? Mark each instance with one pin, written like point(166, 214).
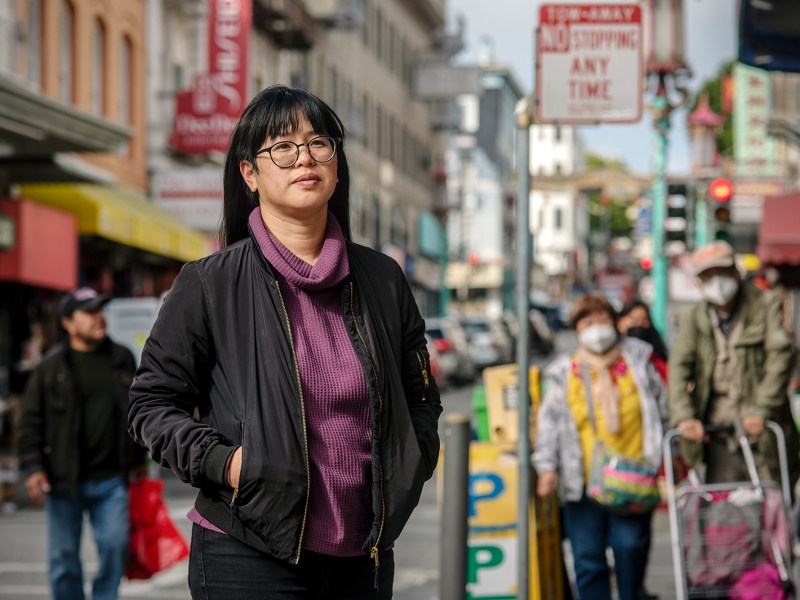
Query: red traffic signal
point(721, 189)
point(646, 262)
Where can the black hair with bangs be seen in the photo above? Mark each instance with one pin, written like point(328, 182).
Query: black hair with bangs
point(272, 113)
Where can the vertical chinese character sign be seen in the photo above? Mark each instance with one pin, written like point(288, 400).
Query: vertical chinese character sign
point(754, 150)
point(206, 115)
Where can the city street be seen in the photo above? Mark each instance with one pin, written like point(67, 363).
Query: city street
point(23, 566)
point(23, 553)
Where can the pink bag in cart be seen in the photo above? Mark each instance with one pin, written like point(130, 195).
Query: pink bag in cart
point(761, 583)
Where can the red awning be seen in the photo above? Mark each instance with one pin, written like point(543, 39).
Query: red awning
point(45, 250)
point(779, 230)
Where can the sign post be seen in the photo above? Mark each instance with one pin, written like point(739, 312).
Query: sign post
point(589, 64)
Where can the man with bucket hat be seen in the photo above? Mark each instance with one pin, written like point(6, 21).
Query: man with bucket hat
point(731, 361)
point(74, 449)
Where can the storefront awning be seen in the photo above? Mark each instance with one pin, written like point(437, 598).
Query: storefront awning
point(123, 217)
point(35, 125)
point(779, 230)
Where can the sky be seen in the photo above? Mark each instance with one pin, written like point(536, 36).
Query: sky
point(710, 39)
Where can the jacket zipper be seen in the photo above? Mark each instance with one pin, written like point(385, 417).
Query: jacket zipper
point(303, 415)
point(424, 370)
point(373, 553)
point(236, 489)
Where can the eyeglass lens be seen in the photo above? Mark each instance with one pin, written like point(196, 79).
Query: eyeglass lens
point(321, 149)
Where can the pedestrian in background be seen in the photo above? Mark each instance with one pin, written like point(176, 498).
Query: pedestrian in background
point(74, 450)
point(731, 361)
point(305, 358)
point(634, 321)
point(628, 398)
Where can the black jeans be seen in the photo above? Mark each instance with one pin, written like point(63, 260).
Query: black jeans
point(223, 568)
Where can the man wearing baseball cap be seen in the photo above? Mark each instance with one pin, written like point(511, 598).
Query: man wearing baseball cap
point(74, 449)
point(731, 362)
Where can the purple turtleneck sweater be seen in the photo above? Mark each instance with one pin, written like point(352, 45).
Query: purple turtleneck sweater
point(335, 393)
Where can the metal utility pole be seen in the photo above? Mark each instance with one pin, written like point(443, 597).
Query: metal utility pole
point(453, 560)
point(524, 115)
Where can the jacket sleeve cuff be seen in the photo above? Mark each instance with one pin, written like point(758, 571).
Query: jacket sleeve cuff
point(215, 465)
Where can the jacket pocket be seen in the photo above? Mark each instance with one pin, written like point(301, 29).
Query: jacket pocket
point(271, 501)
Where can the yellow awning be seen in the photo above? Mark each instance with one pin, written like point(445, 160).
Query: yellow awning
point(123, 217)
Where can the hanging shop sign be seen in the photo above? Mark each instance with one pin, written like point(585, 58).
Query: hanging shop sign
point(206, 114)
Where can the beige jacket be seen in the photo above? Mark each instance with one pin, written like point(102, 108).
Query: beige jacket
point(763, 352)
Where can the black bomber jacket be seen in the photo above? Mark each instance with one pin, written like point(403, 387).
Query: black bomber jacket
point(222, 345)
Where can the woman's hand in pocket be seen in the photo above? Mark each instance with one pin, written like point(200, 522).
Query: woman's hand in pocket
point(235, 468)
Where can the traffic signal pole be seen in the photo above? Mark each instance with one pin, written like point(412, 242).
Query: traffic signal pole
point(700, 221)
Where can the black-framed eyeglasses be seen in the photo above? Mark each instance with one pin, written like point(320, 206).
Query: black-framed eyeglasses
point(285, 154)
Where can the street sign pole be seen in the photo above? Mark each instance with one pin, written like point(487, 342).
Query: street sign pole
point(524, 116)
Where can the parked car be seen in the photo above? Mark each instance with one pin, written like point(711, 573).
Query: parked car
point(485, 345)
point(505, 341)
point(437, 364)
point(541, 337)
point(451, 344)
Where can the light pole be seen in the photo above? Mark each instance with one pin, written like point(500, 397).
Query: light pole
point(704, 125)
point(664, 66)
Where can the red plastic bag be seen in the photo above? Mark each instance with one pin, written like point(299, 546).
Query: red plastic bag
point(155, 542)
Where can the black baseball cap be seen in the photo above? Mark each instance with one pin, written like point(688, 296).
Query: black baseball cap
point(83, 298)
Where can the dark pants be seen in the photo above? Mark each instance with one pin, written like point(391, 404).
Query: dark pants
point(590, 529)
point(223, 568)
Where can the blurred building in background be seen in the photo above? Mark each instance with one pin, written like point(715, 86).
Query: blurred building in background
point(480, 194)
point(73, 169)
point(114, 122)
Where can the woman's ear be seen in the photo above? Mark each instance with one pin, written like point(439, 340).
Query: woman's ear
point(249, 175)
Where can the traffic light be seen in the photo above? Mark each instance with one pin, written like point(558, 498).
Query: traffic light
point(721, 190)
point(676, 222)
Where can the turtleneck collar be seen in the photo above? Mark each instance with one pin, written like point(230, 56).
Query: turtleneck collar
point(331, 267)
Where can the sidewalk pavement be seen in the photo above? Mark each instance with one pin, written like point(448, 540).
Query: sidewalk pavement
point(660, 572)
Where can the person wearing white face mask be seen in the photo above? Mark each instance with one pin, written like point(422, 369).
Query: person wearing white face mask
point(731, 361)
point(617, 378)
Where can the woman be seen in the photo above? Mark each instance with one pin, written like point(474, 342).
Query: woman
point(304, 356)
point(634, 321)
point(629, 403)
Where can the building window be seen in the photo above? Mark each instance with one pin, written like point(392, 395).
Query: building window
point(398, 235)
point(376, 215)
point(177, 77)
point(98, 67)
point(334, 89)
point(558, 133)
point(558, 168)
point(378, 37)
point(379, 133)
point(125, 76)
point(559, 218)
point(34, 41)
point(66, 51)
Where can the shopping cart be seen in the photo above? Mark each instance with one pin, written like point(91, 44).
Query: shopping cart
point(731, 540)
